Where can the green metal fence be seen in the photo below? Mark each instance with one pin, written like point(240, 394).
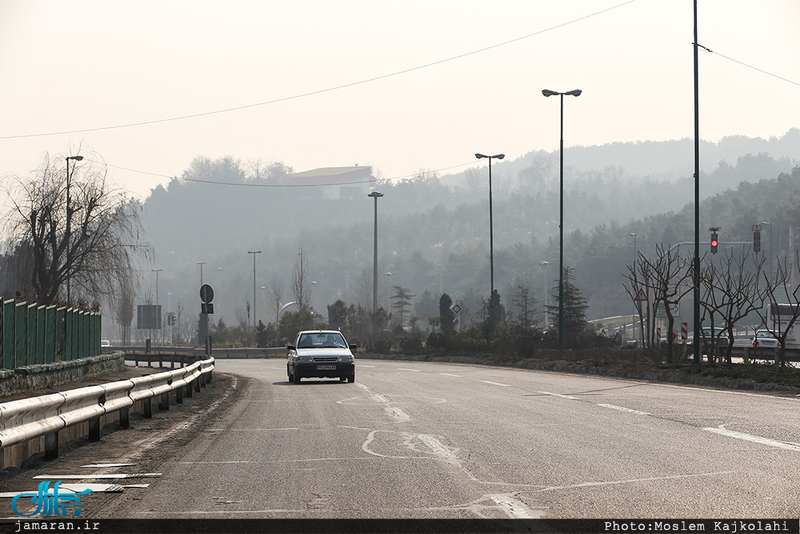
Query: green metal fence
point(31, 334)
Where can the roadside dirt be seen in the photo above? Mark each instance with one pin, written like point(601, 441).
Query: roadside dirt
point(146, 444)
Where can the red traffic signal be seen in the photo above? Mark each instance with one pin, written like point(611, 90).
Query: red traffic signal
point(714, 243)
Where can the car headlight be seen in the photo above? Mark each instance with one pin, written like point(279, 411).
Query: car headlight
point(347, 358)
point(304, 358)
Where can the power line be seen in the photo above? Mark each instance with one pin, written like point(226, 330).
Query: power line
point(748, 66)
point(321, 91)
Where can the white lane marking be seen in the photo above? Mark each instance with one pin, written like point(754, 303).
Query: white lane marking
point(755, 439)
point(623, 409)
point(448, 374)
point(409, 370)
point(435, 445)
point(558, 395)
point(691, 388)
point(514, 508)
point(362, 365)
point(495, 383)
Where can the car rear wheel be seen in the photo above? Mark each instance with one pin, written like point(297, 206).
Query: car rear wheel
point(351, 378)
point(296, 378)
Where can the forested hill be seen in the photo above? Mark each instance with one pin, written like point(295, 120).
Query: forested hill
point(434, 230)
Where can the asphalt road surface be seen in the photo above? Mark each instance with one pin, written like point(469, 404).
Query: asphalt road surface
point(436, 440)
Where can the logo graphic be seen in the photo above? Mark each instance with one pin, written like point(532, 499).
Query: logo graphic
point(49, 501)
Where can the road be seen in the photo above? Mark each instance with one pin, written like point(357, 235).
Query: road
point(437, 440)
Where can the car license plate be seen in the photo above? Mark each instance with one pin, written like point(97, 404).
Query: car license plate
point(326, 368)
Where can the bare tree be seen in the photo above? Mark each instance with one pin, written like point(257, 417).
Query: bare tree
point(125, 309)
point(781, 294)
point(732, 291)
point(524, 302)
point(89, 241)
point(275, 291)
point(664, 279)
point(300, 285)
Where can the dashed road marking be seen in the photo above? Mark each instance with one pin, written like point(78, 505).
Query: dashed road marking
point(448, 374)
point(558, 395)
point(409, 370)
point(755, 439)
point(623, 409)
point(495, 383)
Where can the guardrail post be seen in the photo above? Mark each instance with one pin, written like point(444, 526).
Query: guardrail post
point(189, 390)
point(51, 446)
point(147, 407)
point(197, 384)
point(179, 395)
point(94, 429)
point(164, 403)
point(125, 418)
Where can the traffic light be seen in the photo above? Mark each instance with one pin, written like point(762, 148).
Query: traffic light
point(756, 241)
point(714, 242)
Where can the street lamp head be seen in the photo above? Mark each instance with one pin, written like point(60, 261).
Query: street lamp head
point(76, 158)
point(481, 156)
point(548, 92)
point(496, 156)
point(499, 156)
point(574, 92)
point(375, 194)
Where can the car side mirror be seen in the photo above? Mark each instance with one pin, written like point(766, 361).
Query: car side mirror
point(353, 347)
point(291, 347)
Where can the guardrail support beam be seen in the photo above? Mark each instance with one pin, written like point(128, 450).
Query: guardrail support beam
point(51, 446)
point(94, 429)
point(164, 403)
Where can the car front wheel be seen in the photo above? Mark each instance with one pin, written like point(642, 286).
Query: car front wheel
point(296, 378)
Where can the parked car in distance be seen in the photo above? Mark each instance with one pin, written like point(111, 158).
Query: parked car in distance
point(719, 337)
point(765, 340)
point(320, 354)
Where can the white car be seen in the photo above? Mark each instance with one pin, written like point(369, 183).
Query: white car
point(765, 340)
point(320, 354)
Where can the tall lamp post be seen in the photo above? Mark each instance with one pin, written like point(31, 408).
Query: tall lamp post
point(376, 196)
point(548, 92)
point(201, 263)
point(158, 312)
point(545, 265)
point(491, 233)
point(254, 252)
point(770, 248)
point(69, 218)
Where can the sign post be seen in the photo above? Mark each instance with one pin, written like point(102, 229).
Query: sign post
point(206, 309)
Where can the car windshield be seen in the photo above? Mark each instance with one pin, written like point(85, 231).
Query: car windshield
point(763, 333)
point(321, 340)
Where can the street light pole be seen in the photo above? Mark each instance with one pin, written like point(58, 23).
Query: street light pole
point(696, 260)
point(201, 263)
point(254, 252)
point(376, 196)
point(770, 248)
point(548, 92)
point(158, 312)
point(491, 233)
point(544, 265)
point(67, 231)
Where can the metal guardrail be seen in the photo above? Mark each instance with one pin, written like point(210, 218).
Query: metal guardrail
point(26, 419)
point(167, 356)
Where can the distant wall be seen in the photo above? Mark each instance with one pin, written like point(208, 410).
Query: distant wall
point(49, 375)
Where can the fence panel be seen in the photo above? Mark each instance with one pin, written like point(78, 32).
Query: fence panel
point(31, 334)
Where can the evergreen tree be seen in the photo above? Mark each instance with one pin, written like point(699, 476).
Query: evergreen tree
point(446, 315)
point(575, 306)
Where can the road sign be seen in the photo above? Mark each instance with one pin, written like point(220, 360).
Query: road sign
point(206, 293)
point(641, 296)
point(456, 309)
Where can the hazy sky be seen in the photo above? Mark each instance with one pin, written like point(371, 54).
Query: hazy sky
point(401, 86)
